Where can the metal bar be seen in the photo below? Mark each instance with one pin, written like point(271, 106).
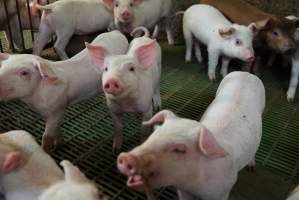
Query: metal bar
point(30, 21)
point(8, 26)
point(20, 24)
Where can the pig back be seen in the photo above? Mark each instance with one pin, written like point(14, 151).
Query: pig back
point(235, 116)
point(238, 11)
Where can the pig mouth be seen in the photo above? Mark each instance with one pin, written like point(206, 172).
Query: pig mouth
point(138, 181)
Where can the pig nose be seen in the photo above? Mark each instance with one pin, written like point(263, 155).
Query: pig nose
point(250, 59)
point(126, 164)
point(291, 51)
point(113, 87)
point(126, 15)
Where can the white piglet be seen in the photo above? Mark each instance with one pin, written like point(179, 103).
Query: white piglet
point(65, 18)
point(294, 194)
point(131, 82)
point(49, 87)
point(27, 172)
point(203, 158)
point(75, 186)
point(26, 169)
point(208, 26)
point(130, 14)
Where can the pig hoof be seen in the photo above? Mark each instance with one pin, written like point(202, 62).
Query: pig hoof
point(117, 144)
point(290, 99)
point(212, 77)
point(51, 143)
point(251, 168)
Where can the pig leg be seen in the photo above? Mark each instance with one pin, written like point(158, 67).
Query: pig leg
point(251, 165)
point(63, 38)
point(225, 62)
point(294, 81)
point(271, 59)
point(52, 136)
point(118, 131)
point(43, 37)
point(189, 43)
point(213, 61)
point(16, 32)
point(156, 31)
point(184, 195)
point(157, 99)
point(146, 129)
point(256, 66)
point(198, 51)
point(169, 32)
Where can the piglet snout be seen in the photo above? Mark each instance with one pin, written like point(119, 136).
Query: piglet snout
point(126, 15)
point(291, 51)
point(113, 87)
point(127, 164)
point(250, 59)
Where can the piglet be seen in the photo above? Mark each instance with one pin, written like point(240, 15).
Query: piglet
point(67, 17)
point(75, 186)
point(294, 195)
point(131, 82)
point(207, 25)
point(203, 158)
point(26, 170)
point(49, 87)
point(129, 14)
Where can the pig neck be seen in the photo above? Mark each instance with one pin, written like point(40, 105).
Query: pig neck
point(38, 173)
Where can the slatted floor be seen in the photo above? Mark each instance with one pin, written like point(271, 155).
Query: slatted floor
point(186, 90)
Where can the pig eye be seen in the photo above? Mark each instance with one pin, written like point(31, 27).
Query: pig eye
point(275, 33)
point(179, 151)
point(131, 4)
point(132, 69)
point(238, 42)
point(24, 73)
point(106, 69)
point(116, 4)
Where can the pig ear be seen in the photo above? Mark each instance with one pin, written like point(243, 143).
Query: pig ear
point(72, 173)
point(3, 56)
point(147, 54)
point(209, 145)
point(109, 4)
point(11, 162)
point(46, 72)
point(226, 32)
point(253, 28)
point(97, 55)
point(160, 117)
point(262, 24)
point(136, 2)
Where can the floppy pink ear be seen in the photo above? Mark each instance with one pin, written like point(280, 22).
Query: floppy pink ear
point(209, 145)
point(97, 55)
point(226, 32)
point(3, 56)
point(12, 161)
point(47, 73)
point(109, 4)
point(160, 117)
point(147, 54)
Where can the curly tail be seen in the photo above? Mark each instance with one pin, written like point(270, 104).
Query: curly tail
point(140, 28)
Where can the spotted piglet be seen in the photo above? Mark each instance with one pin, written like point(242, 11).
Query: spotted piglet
point(131, 82)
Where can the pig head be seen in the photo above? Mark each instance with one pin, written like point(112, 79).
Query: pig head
point(75, 186)
point(178, 151)
point(277, 34)
point(21, 75)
